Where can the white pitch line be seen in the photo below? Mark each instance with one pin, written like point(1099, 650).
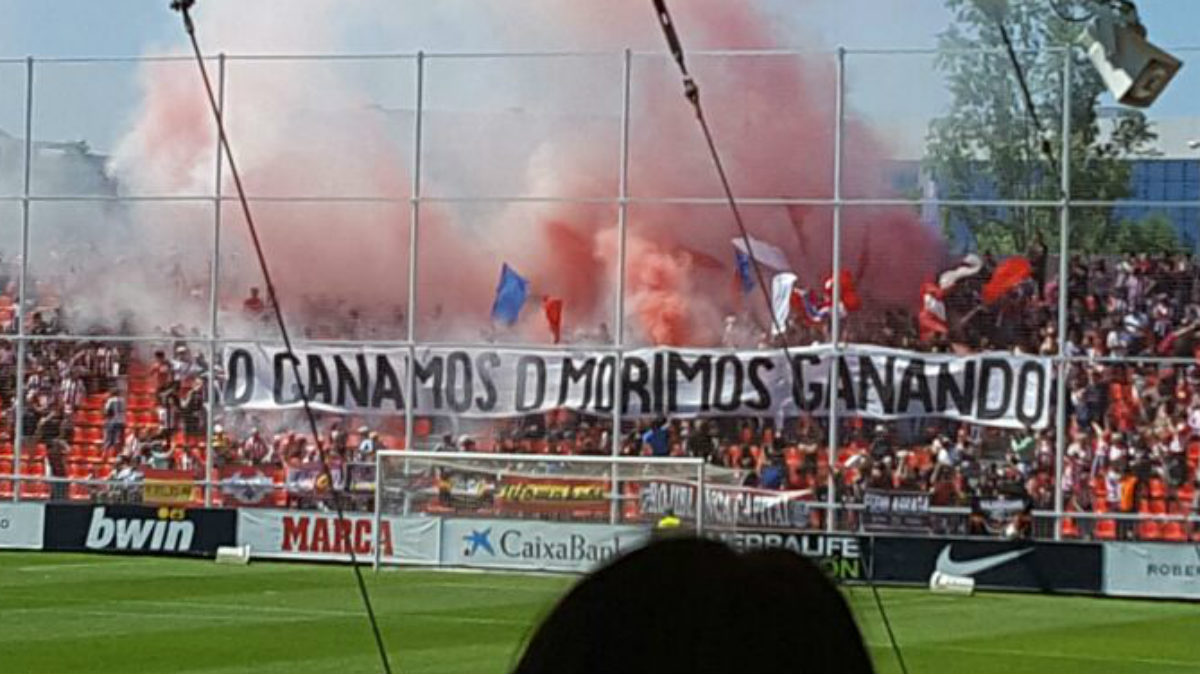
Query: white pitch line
point(80, 565)
point(246, 607)
point(87, 611)
point(1046, 654)
point(324, 612)
point(491, 588)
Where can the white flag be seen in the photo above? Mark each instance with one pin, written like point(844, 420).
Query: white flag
point(781, 299)
point(764, 252)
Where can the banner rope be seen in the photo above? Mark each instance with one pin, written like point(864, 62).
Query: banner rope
point(184, 7)
point(691, 91)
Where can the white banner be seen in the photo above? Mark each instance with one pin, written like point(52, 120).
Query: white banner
point(21, 525)
point(993, 389)
point(726, 506)
point(1152, 569)
point(535, 545)
point(298, 534)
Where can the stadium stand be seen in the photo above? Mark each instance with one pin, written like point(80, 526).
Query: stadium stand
point(97, 410)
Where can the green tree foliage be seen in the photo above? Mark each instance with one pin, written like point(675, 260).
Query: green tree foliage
point(989, 138)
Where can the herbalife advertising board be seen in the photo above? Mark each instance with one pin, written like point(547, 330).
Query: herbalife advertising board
point(543, 546)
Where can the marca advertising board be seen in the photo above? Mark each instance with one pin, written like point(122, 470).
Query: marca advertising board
point(842, 557)
point(1152, 570)
point(534, 545)
point(21, 526)
point(139, 529)
point(312, 535)
point(1014, 565)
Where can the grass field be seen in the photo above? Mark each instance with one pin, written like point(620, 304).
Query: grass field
point(90, 613)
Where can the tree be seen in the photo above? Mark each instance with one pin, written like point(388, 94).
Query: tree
point(988, 142)
point(1154, 234)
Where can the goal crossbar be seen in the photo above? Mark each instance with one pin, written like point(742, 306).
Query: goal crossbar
point(680, 461)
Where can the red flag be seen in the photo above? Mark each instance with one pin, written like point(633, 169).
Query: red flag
point(850, 298)
point(553, 308)
point(932, 318)
point(1008, 275)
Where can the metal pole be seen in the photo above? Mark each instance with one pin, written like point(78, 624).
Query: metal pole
point(1064, 249)
point(618, 397)
point(700, 504)
point(414, 221)
point(377, 527)
point(835, 321)
point(213, 287)
point(22, 293)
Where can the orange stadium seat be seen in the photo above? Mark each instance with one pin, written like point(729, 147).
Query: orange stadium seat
point(6, 488)
point(1149, 530)
point(78, 492)
point(1069, 528)
point(1158, 490)
point(1186, 496)
point(1174, 532)
point(1106, 530)
point(34, 489)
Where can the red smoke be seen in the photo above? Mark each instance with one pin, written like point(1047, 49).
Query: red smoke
point(773, 117)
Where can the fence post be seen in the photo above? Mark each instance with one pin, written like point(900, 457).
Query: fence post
point(413, 239)
point(410, 380)
point(1064, 250)
point(378, 509)
point(213, 289)
point(618, 397)
point(22, 290)
point(835, 320)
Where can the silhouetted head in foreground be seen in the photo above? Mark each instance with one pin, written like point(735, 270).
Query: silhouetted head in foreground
point(691, 605)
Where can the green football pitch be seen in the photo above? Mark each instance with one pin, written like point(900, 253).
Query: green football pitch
point(91, 613)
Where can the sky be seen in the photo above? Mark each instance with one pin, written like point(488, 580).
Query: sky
point(898, 93)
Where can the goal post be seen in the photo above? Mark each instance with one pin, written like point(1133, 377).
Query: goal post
point(558, 490)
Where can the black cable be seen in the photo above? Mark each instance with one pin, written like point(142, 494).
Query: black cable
point(183, 7)
point(692, 93)
point(1044, 144)
point(887, 624)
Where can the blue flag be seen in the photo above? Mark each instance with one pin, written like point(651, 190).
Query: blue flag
point(510, 296)
point(743, 270)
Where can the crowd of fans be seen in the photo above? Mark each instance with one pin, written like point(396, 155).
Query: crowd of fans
point(1133, 425)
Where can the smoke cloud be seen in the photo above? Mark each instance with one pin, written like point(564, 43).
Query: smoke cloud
point(506, 127)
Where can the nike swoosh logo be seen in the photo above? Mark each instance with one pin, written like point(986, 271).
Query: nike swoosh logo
point(971, 567)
